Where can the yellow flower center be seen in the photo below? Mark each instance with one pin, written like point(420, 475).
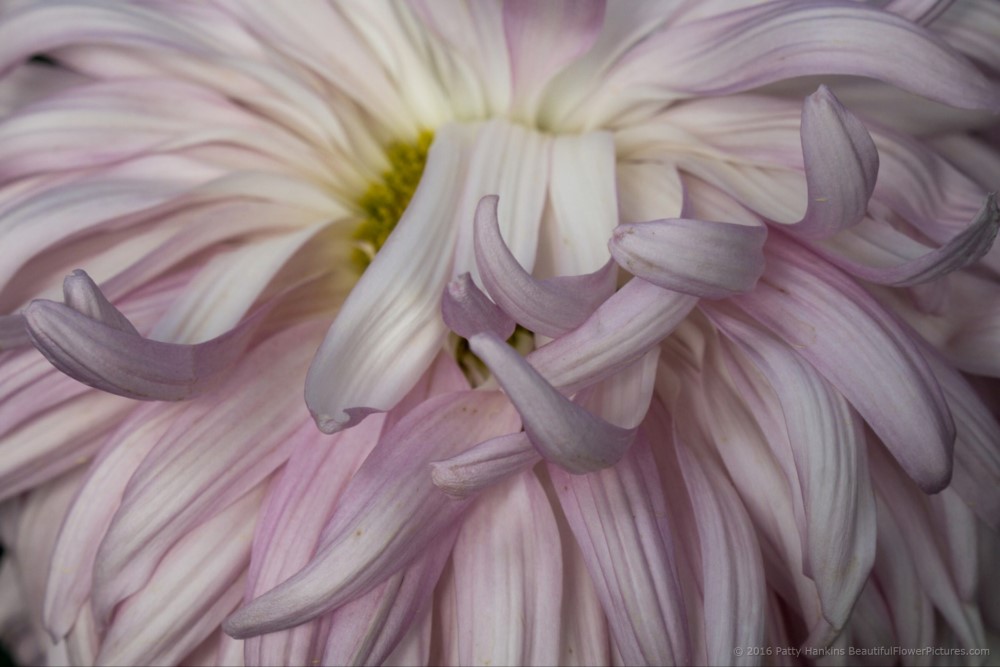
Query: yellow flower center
point(385, 200)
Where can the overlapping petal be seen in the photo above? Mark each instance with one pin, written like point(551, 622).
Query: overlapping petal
point(863, 352)
point(389, 515)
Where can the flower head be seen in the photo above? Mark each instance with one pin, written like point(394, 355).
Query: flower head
point(497, 332)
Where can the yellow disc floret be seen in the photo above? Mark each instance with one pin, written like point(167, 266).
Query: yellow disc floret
point(384, 202)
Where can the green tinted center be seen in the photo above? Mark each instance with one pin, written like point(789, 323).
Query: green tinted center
point(384, 202)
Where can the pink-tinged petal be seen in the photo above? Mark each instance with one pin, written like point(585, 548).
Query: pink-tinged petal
point(627, 325)
point(563, 432)
point(624, 398)
point(820, 441)
point(83, 642)
point(389, 515)
point(90, 514)
point(619, 518)
point(57, 439)
point(367, 630)
point(13, 332)
point(863, 352)
point(109, 357)
point(204, 573)
point(584, 629)
point(908, 507)
point(876, 252)
point(35, 530)
point(415, 646)
point(912, 613)
point(733, 588)
point(763, 44)
point(583, 194)
point(956, 526)
point(549, 307)
point(871, 622)
point(977, 461)
point(484, 465)
point(543, 39)
point(295, 510)
point(712, 260)
point(467, 311)
point(253, 430)
point(841, 164)
point(509, 578)
point(710, 413)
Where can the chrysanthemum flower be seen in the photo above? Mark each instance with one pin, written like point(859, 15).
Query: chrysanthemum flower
point(637, 333)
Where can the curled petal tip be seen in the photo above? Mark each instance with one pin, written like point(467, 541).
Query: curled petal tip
point(467, 311)
point(346, 419)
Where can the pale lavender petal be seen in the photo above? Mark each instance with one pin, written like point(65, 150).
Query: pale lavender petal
point(564, 432)
point(484, 465)
point(863, 352)
point(509, 577)
point(120, 362)
point(712, 260)
point(389, 515)
point(549, 307)
point(621, 331)
point(876, 252)
point(467, 311)
point(841, 164)
point(13, 332)
point(619, 518)
point(83, 295)
point(253, 431)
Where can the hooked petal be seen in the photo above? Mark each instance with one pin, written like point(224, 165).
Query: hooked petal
point(549, 307)
point(626, 326)
point(841, 164)
point(107, 355)
point(876, 252)
point(83, 295)
point(712, 260)
point(467, 311)
point(563, 431)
